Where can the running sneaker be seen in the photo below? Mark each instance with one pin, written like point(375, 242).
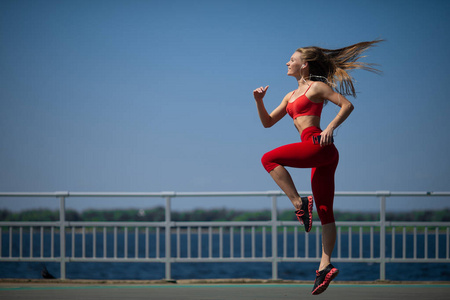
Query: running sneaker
point(323, 279)
point(304, 215)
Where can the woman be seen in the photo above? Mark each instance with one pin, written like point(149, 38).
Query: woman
point(317, 71)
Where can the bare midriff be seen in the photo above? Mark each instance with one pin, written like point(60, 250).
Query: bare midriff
point(304, 122)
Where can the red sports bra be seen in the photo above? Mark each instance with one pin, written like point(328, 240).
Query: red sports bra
point(302, 106)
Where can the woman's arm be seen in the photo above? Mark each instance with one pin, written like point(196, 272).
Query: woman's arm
point(326, 92)
point(268, 120)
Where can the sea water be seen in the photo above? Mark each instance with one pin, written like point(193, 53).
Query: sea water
point(223, 270)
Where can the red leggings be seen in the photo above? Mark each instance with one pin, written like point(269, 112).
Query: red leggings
point(322, 160)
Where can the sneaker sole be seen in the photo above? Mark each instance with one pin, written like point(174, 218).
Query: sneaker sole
point(310, 208)
point(324, 285)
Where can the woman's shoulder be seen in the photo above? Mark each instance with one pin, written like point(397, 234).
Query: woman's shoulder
point(319, 85)
point(318, 90)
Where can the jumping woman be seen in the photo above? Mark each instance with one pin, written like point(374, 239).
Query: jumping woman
point(318, 72)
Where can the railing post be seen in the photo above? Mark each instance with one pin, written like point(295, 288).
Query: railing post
point(383, 237)
point(274, 239)
point(168, 238)
point(62, 235)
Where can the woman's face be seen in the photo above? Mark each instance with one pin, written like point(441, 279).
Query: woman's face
point(295, 64)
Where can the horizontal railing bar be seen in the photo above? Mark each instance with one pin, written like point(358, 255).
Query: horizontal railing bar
point(215, 194)
point(114, 224)
point(338, 223)
point(417, 260)
point(143, 194)
point(118, 259)
point(21, 194)
point(224, 259)
point(31, 224)
point(416, 224)
point(221, 223)
point(31, 259)
point(84, 224)
point(212, 223)
point(357, 223)
point(334, 259)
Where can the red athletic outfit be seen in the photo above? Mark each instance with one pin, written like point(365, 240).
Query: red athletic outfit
point(322, 159)
point(302, 106)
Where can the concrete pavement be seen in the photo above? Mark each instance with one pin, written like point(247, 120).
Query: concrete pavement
point(40, 290)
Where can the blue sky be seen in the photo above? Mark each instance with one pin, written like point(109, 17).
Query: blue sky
point(150, 96)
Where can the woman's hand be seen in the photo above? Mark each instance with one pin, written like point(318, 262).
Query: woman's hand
point(259, 93)
point(326, 137)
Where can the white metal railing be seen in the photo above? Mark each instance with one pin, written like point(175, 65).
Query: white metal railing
point(176, 242)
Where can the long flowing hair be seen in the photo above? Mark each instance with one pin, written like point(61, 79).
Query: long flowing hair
point(333, 65)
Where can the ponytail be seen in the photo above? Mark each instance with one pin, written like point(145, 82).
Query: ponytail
point(333, 65)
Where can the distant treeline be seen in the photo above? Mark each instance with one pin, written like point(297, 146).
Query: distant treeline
point(158, 214)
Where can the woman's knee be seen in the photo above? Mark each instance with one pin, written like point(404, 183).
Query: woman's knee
point(326, 214)
point(268, 162)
